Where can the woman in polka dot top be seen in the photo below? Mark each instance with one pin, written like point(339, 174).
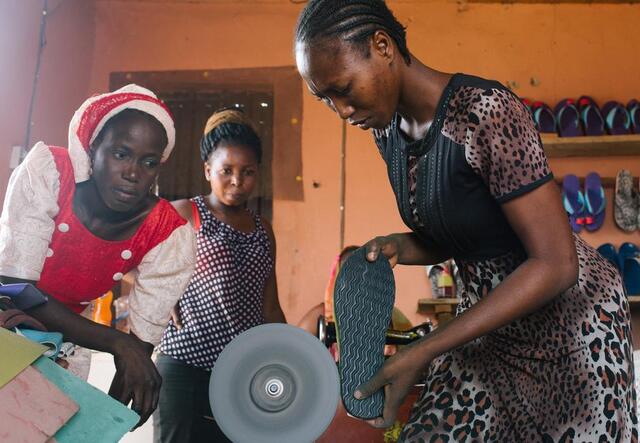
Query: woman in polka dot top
point(233, 288)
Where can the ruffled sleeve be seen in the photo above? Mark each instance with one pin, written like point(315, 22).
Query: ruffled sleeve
point(27, 221)
point(503, 146)
point(161, 278)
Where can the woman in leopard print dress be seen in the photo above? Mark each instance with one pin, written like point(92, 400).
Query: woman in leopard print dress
point(540, 349)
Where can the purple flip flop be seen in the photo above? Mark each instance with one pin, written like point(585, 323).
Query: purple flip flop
point(543, 117)
point(590, 116)
point(595, 202)
point(573, 202)
point(568, 118)
point(616, 118)
point(633, 107)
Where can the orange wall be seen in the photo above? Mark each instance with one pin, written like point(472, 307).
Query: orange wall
point(569, 49)
point(64, 72)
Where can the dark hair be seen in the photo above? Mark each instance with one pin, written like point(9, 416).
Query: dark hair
point(351, 20)
point(230, 132)
point(122, 117)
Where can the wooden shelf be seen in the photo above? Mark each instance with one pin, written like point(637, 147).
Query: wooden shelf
point(438, 301)
point(437, 305)
point(607, 182)
point(634, 299)
point(600, 146)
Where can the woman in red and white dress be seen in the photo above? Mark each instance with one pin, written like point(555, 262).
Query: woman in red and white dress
point(76, 220)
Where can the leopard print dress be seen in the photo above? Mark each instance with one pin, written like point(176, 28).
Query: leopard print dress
point(564, 373)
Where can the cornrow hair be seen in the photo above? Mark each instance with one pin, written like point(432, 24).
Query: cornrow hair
point(229, 125)
point(351, 20)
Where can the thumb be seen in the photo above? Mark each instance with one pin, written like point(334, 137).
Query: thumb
point(371, 387)
point(374, 247)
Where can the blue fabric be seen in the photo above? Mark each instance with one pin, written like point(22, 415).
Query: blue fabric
point(23, 295)
point(100, 418)
point(52, 340)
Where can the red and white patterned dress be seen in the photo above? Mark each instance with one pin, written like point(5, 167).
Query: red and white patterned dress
point(41, 239)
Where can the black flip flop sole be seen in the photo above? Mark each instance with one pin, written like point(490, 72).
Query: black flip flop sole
point(364, 294)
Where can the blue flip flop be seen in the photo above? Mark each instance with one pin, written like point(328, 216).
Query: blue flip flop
point(543, 117)
point(633, 108)
point(616, 118)
point(363, 298)
point(568, 118)
point(573, 202)
point(595, 202)
point(590, 116)
point(630, 258)
point(608, 251)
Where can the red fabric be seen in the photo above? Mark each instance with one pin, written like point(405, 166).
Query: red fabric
point(97, 110)
point(83, 266)
point(196, 216)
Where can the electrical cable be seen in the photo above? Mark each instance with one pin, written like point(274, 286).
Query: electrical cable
point(42, 43)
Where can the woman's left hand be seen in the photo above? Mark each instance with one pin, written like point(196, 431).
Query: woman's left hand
point(398, 375)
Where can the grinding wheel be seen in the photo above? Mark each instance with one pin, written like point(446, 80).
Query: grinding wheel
point(274, 383)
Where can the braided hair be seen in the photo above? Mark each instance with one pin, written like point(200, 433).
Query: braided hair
point(351, 20)
point(229, 125)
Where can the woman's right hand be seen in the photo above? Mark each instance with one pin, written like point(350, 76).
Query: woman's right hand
point(137, 379)
point(389, 246)
point(405, 248)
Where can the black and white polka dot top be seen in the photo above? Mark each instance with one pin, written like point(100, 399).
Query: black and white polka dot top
point(225, 295)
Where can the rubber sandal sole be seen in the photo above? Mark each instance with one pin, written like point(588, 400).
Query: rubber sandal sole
point(363, 299)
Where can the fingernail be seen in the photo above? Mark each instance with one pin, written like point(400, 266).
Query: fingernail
point(357, 395)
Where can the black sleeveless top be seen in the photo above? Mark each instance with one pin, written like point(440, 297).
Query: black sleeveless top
point(481, 150)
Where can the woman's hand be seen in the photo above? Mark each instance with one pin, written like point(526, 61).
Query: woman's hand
point(137, 378)
point(389, 246)
point(404, 248)
point(398, 375)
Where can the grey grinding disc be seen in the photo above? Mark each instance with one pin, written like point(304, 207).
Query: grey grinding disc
point(274, 383)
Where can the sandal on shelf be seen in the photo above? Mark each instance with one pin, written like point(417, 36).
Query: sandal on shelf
point(543, 117)
point(457, 279)
point(595, 202)
point(568, 118)
point(590, 116)
point(608, 251)
point(433, 273)
point(364, 294)
point(625, 211)
point(633, 108)
point(630, 257)
point(616, 118)
point(573, 202)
